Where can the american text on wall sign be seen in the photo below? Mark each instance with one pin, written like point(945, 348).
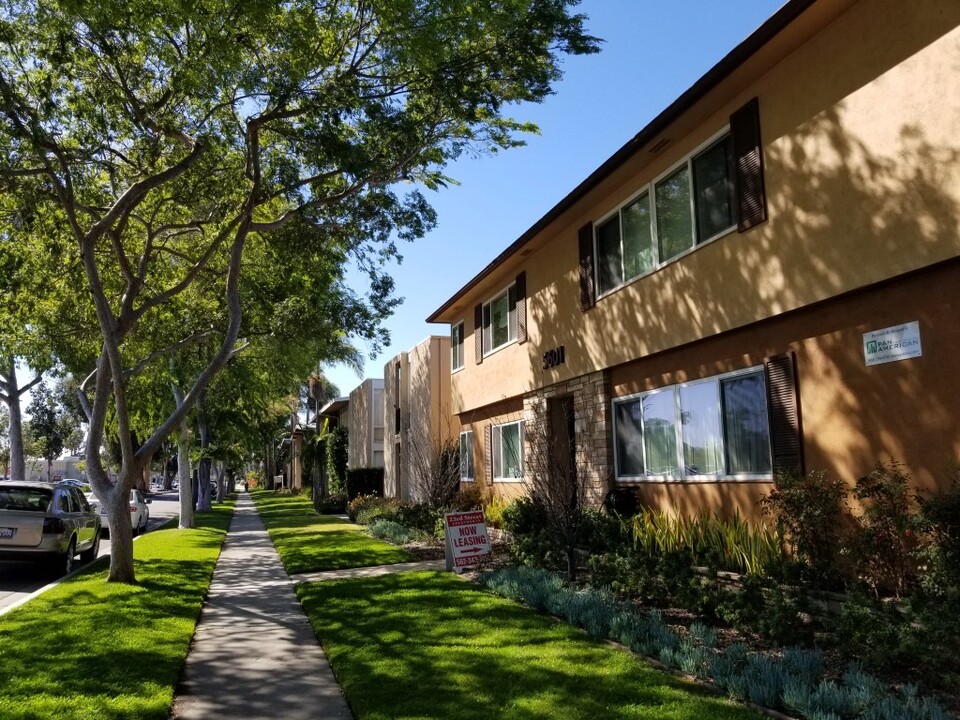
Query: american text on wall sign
point(554, 357)
point(900, 342)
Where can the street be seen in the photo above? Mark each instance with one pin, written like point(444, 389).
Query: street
point(19, 579)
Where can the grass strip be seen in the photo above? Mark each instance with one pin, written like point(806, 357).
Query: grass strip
point(429, 645)
point(92, 649)
point(308, 541)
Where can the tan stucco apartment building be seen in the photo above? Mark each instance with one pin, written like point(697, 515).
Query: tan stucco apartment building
point(766, 276)
point(419, 415)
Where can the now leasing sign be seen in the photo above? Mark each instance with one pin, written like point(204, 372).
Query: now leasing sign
point(892, 344)
point(467, 539)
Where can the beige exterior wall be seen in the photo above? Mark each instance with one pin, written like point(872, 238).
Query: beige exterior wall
point(859, 110)
point(426, 416)
point(858, 123)
point(365, 441)
point(852, 415)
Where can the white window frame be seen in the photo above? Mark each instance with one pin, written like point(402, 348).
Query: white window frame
point(675, 389)
point(465, 478)
point(498, 430)
point(456, 358)
point(650, 189)
point(487, 329)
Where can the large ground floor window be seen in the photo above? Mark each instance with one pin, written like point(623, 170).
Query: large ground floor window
point(708, 429)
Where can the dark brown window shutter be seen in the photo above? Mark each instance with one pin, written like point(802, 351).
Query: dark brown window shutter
point(488, 453)
point(748, 158)
point(521, 295)
point(588, 293)
point(478, 332)
point(783, 405)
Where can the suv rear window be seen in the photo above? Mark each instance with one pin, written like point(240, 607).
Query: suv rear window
point(29, 499)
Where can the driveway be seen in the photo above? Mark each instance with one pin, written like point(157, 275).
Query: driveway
point(18, 579)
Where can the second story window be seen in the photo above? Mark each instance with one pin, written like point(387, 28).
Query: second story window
point(500, 320)
point(690, 204)
point(456, 346)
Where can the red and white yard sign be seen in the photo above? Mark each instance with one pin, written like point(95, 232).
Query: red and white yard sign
point(467, 539)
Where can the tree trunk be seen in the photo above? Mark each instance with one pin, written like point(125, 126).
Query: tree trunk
point(221, 483)
point(187, 519)
point(117, 504)
point(268, 465)
point(203, 429)
point(143, 481)
point(49, 469)
point(115, 497)
point(169, 466)
point(18, 465)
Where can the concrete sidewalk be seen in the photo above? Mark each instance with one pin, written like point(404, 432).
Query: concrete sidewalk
point(362, 572)
point(254, 654)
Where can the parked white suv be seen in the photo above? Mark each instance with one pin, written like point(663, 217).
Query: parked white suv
point(139, 511)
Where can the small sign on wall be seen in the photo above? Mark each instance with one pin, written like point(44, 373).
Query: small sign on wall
point(467, 539)
point(892, 344)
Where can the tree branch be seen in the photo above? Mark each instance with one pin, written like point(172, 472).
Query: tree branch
point(170, 349)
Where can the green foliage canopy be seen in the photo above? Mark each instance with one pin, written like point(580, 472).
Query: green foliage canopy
point(166, 140)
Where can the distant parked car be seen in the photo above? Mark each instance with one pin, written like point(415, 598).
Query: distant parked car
point(139, 512)
point(73, 481)
point(47, 522)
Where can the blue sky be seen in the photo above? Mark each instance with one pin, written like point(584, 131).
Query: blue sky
point(653, 52)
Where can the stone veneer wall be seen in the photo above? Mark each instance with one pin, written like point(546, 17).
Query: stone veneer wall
point(593, 428)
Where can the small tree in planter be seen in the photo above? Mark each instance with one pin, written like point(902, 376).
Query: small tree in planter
point(435, 467)
point(560, 488)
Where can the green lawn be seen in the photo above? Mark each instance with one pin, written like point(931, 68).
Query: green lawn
point(92, 649)
point(429, 645)
point(308, 541)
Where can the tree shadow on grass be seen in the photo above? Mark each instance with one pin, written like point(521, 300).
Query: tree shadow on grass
point(427, 645)
point(88, 648)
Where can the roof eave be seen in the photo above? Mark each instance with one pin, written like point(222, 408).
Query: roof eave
point(783, 17)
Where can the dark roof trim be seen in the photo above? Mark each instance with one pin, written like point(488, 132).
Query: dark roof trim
point(734, 59)
point(334, 407)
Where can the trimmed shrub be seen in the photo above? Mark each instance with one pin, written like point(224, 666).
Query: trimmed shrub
point(391, 532)
point(332, 504)
point(420, 517)
point(364, 509)
point(939, 521)
point(812, 516)
point(887, 537)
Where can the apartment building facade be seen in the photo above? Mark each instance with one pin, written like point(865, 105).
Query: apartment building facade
point(364, 419)
point(765, 278)
point(419, 416)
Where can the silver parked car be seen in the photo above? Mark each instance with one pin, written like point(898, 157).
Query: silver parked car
point(47, 522)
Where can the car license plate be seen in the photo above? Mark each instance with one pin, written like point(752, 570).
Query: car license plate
point(7, 532)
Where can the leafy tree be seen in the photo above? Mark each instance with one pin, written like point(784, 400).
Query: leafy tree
point(50, 426)
point(166, 139)
point(11, 393)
